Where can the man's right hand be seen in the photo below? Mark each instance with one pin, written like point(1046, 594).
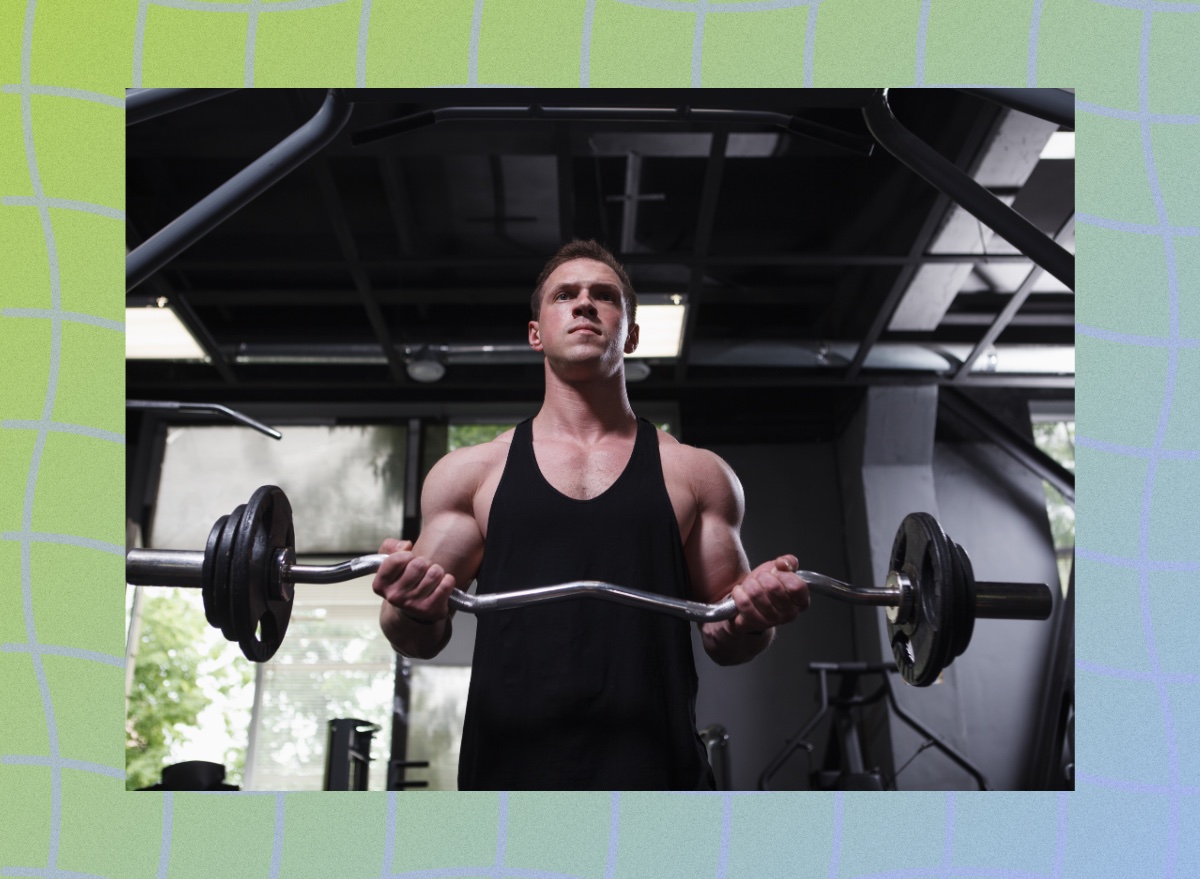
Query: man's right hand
point(417, 587)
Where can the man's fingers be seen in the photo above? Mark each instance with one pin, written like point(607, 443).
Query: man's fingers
point(747, 596)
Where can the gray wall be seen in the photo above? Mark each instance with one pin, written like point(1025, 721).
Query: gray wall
point(792, 506)
point(985, 705)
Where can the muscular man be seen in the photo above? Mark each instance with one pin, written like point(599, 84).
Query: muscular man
point(583, 694)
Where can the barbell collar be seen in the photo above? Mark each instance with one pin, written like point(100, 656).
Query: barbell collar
point(1013, 601)
point(164, 567)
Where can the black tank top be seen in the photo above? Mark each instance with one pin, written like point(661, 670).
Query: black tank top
point(583, 695)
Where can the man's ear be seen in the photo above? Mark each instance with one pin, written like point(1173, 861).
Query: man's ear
point(631, 341)
point(535, 338)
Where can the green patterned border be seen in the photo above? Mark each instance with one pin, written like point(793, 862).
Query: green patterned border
point(63, 68)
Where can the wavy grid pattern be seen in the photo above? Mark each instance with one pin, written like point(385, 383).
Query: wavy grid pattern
point(62, 810)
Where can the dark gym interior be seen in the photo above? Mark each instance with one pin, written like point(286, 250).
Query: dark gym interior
point(855, 344)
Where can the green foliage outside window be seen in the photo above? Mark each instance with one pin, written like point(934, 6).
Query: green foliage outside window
point(1057, 439)
point(167, 694)
point(461, 435)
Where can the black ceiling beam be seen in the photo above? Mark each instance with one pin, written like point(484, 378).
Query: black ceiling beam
point(509, 379)
point(1004, 318)
point(345, 238)
point(765, 260)
point(848, 141)
point(706, 219)
point(470, 294)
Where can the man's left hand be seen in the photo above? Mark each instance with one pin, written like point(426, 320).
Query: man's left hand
point(770, 595)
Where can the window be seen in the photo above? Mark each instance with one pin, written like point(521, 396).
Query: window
point(346, 488)
point(1057, 439)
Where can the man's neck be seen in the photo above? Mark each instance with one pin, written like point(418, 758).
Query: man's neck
point(585, 412)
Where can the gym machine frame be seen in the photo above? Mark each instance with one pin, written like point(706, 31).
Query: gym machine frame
point(854, 776)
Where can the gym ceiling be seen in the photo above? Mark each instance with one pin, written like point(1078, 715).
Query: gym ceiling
point(791, 250)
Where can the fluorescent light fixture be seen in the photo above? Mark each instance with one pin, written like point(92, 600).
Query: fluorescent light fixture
point(155, 333)
point(1061, 145)
point(661, 321)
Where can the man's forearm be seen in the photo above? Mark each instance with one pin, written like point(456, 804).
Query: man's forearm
point(727, 647)
point(412, 638)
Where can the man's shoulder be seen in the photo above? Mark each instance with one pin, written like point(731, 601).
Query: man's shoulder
point(479, 455)
point(706, 471)
point(459, 473)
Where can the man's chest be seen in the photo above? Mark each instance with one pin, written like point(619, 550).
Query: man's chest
point(583, 474)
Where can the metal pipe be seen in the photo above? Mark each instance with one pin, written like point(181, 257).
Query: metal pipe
point(205, 407)
point(143, 104)
point(1054, 105)
point(239, 190)
point(793, 124)
point(941, 173)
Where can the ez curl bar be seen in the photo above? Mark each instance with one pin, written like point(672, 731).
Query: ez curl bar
point(248, 571)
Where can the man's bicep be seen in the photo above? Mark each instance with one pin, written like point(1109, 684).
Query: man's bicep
point(716, 559)
point(450, 535)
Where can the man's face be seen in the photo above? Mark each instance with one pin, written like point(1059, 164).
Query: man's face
point(583, 317)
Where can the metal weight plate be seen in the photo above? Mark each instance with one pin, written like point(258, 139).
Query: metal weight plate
point(211, 613)
point(964, 625)
point(222, 564)
point(260, 614)
point(922, 646)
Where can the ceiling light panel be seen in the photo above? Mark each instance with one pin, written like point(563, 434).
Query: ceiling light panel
point(157, 334)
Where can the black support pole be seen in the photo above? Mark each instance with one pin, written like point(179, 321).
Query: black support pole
point(143, 104)
point(238, 191)
point(942, 174)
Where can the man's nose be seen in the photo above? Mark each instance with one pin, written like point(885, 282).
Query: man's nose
point(584, 305)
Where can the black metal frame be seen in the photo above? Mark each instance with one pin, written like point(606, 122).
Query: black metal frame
point(348, 753)
point(143, 104)
point(1021, 449)
point(1055, 726)
point(334, 113)
point(1054, 105)
point(847, 699)
point(212, 210)
point(941, 173)
point(852, 143)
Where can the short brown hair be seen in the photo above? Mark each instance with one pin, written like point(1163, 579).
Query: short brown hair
point(585, 250)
